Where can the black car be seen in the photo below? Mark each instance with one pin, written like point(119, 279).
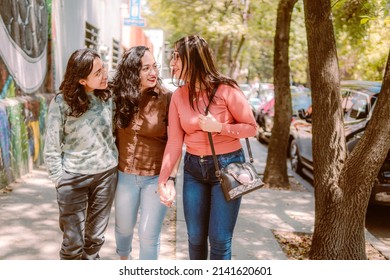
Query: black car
point(359, 98)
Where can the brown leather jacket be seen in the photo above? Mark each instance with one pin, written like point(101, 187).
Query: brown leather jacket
point(141, 145)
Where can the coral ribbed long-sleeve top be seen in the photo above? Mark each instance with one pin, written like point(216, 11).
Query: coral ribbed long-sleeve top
point(230, 107)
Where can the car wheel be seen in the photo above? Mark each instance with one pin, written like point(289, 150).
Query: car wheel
point(295, 160)
point(260, 134)
point(258, 131)
point(268, 124)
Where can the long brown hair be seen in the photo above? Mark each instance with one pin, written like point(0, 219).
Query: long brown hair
point(199, 66)
point(125, 86)
point(79, 66)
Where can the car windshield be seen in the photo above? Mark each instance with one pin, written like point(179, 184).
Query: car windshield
point(255, 101)
point(266, 94)
point(302, 101)
point(246, 89)
point(356, 106)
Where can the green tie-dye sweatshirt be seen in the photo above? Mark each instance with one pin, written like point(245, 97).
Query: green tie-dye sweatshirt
point(85, 144)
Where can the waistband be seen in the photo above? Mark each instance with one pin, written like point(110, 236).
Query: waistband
point(206, 157)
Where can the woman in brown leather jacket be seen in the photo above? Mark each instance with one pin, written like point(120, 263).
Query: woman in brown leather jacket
point(141, 121)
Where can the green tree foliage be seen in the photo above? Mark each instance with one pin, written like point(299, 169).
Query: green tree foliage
point(298, 46)
point(362, 32)
point(259, 49)
point(225, 25)
point(241, 34)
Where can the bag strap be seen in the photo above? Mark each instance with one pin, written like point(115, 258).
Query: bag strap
point(217, 170)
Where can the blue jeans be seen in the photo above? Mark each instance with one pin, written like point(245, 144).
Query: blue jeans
point(138, 193)
point(208, 215)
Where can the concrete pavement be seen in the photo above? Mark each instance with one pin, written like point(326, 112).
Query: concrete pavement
point(29, 221)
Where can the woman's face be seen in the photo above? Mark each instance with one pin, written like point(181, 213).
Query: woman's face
point(176, 65)
point(149, 71)
point(98, 78)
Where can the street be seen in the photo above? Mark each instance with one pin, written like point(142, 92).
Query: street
point(377, 222)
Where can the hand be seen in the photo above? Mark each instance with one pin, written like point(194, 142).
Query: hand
point(167, 193)
point(209, 123)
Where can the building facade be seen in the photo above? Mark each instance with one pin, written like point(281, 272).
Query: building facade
point(36, 39)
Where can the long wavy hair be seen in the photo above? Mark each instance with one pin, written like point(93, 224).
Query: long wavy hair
point(79, 66)
point(199, 67)
point(126, 84)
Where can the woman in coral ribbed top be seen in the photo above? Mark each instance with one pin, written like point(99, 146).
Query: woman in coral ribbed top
point(208, 215)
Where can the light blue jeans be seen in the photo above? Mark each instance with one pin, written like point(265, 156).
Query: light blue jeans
point(138, 193)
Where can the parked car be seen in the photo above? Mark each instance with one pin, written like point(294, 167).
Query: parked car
point(255, 104)
point(359, 99)
point(265, 116)
point(266, 91)
point(246, 89)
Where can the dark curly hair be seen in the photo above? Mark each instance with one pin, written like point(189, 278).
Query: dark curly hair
point(79, 66)
point(125, 86)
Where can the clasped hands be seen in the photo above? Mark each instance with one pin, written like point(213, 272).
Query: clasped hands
point(209, 123)
point(167, 193)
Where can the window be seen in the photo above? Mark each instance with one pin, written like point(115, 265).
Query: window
point(358, 106)
point(115, 53)
point(91, 36)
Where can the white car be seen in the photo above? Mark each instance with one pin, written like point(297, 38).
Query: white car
point(246, 89)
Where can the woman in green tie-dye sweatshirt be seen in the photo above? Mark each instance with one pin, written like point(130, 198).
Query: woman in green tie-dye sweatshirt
point(81, 155)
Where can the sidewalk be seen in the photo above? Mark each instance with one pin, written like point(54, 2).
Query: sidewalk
point(261, 212)
point(29, 221)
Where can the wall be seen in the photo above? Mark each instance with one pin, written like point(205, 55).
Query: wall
point(69, 19)
point(26, 77)
point(36, 38)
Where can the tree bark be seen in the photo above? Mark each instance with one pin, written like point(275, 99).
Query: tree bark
point(233, 64)
point(361, 169)
point(276, 169)
point(342, 187)
point(329, 149)
point(234, 61)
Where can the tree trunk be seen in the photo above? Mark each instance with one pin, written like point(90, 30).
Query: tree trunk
point(342, 187)
point(329, 149)
point(361, 169)
point(234, 62)
point(276, 169)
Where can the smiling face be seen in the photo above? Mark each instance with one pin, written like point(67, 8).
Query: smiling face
point(176, 65)
point(98, 78)
point(149, 72)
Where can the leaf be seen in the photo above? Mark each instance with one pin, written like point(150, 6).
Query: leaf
point(364, 21)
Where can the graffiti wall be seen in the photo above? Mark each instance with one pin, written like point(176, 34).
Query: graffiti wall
point(36, 39)
point(25, 85)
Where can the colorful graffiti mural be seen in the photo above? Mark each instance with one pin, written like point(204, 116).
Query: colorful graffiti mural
point(22, 126)
point(25, 85)
point(35, 46)
point(5, 147)
point(23, 40)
